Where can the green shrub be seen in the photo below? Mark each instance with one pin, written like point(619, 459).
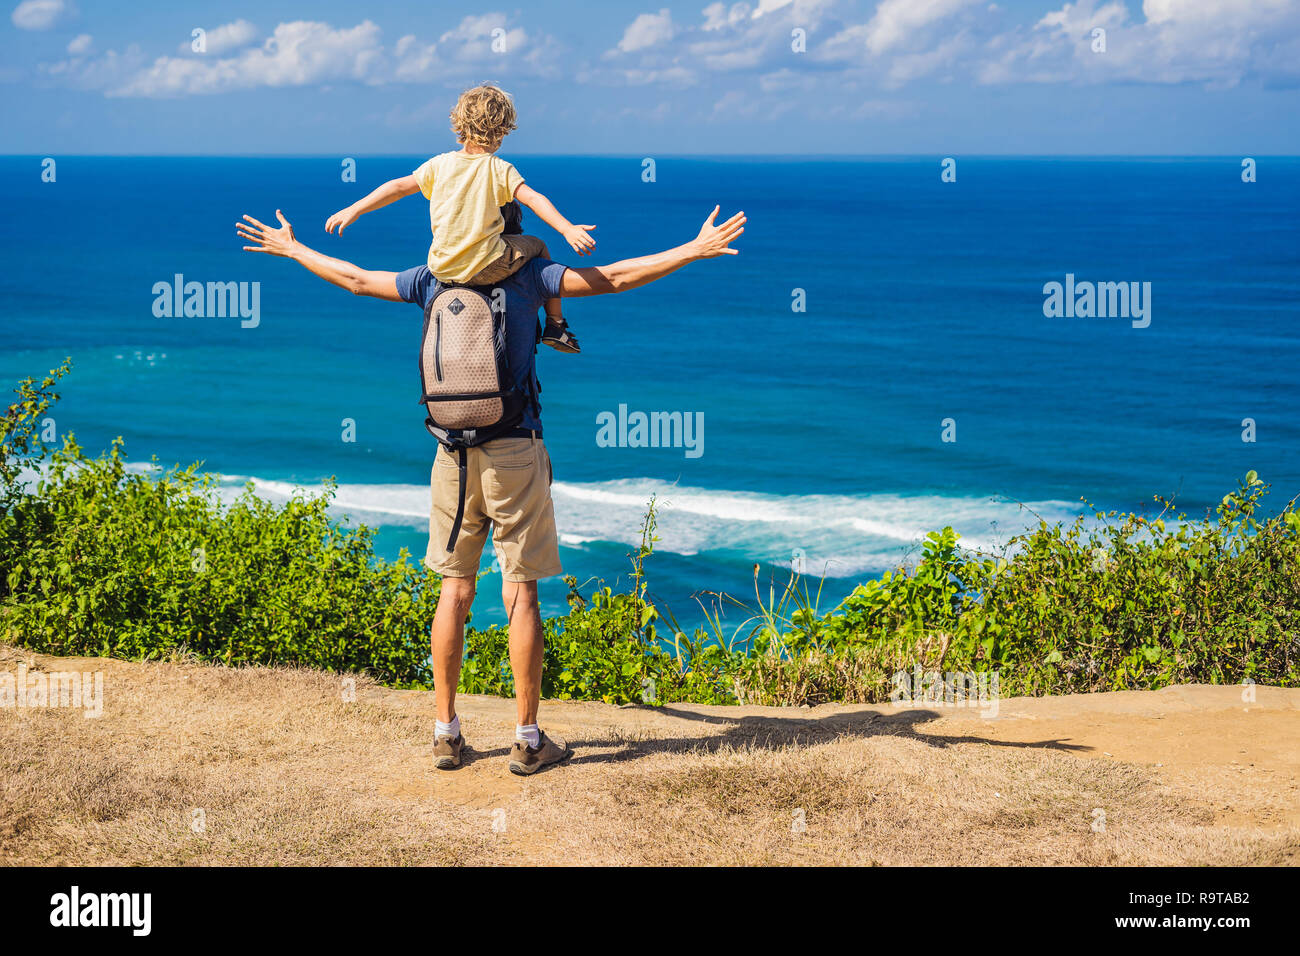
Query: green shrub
point(1111, 603)
point(606, 648)
point(1108, 602)
point(96, 560)
point(1132, 602)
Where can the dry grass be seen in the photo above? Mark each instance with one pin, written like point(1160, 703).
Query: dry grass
point(286, 772)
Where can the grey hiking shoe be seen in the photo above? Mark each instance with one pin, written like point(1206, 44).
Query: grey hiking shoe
point(526, 760)
point(446, 752)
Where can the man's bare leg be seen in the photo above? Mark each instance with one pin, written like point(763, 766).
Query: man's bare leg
point(526, 645)
point(447, 640)
point(527, 641)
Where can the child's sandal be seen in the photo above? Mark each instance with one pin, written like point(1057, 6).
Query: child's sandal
point(560, 339)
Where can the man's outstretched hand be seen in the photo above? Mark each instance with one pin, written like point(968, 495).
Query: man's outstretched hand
point(346, 275)
point(715, 240)
point(277, 242)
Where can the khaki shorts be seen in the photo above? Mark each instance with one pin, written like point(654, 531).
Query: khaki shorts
point(507, 490)
point(519, 249)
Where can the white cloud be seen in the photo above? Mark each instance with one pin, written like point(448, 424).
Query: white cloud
point(865, 50)
point(719, 15)
point(939, 62)
point(769, 6)
point(1078, 19)
point(471, 43)
point(734, 37)
point(896, 21)
point(304, 53)
point(892, 43)
point(854, 48)
point(647, 30)
point(473, 38)
point(459, 54)
point(1216, 43)
point(223, 39)
point(1212, 11)
point(296, 54)
point(40, 14)
point(95, 73)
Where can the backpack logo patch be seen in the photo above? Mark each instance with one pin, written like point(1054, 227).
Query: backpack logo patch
point(456, 307)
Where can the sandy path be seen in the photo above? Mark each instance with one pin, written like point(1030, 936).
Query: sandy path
point(284, 770)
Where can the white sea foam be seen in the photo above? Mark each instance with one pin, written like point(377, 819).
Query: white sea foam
point(838, 535)
point(389, 504)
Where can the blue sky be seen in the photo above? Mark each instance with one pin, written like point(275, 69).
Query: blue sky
point(653, 77)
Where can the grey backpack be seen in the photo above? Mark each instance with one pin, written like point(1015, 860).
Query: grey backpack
point(467, 385)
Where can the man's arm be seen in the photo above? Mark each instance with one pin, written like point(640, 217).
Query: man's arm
point(345, 275)
point(630, 273)
point(381, 196)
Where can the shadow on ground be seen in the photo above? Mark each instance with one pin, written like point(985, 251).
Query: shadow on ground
point(775, 733)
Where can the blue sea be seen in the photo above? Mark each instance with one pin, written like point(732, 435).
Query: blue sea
point(823, 429)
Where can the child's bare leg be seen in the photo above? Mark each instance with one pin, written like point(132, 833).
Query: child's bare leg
point(557, 334)
point(554, 312)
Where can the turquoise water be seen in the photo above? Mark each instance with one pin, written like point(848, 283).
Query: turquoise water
point(822, 430)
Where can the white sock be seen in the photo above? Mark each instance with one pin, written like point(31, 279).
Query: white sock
point(451, 730)
point(528, 733)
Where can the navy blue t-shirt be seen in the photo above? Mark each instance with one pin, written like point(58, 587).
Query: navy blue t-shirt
point(525, 291)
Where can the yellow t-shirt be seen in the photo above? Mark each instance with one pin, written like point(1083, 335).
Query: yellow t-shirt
point(465, 193)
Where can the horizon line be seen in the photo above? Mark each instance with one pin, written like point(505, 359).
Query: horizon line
point(639, 155)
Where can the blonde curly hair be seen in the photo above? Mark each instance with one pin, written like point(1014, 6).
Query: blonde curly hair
point(483, 116)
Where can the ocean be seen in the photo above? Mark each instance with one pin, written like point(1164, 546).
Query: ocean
point(873, 312)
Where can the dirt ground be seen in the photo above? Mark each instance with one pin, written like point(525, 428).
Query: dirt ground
point(194, 764)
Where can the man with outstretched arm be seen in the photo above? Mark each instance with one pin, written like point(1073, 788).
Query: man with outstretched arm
point(508, 487)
